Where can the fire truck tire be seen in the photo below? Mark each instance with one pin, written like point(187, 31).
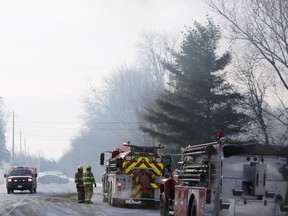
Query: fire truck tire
point(193, 208)
point(164, 208)
point(8, 191)
point(34, 190)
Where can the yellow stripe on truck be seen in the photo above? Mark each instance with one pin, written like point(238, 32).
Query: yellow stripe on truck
point(154, 186)
point(131, 165)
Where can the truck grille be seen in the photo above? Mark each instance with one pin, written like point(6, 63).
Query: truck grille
point(20, 180)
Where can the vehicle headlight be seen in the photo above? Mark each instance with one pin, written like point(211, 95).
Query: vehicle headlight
point(29, 180)
point(9, 180)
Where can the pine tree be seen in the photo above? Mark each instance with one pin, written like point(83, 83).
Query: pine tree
point(199, 102)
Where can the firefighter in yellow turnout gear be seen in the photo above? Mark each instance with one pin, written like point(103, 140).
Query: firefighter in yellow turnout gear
point(78, 179)
point(89, 181)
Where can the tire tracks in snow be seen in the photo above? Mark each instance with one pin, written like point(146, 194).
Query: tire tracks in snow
point(15, 205)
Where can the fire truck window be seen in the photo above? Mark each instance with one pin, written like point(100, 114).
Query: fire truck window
point(144, 149)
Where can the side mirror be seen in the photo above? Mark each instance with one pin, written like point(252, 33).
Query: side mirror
point(102, 159)
point(36, 175)
point(5, 175)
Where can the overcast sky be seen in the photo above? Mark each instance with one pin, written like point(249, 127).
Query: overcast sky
point(51, 50)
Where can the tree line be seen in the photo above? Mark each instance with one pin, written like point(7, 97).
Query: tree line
point(184, 88)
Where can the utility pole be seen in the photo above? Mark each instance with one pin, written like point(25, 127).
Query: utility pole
point(20, 142)
point(13, 155)
point(20, 154)
point(25, 151)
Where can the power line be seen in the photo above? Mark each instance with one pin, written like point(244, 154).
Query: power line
point(80, 123)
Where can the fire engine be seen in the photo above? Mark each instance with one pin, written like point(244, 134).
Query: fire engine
point(133, 174)
point(225, 179)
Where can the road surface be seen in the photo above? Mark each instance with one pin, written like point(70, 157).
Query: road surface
point(61, 199)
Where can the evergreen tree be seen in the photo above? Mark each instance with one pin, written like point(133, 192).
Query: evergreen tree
point(199, 101)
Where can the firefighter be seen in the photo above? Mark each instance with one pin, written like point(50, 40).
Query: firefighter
point(89, 181)
point(78, 179)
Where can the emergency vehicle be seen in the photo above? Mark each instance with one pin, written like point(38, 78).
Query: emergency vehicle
point(225, 179)
point(133, 174)
point(21, 178)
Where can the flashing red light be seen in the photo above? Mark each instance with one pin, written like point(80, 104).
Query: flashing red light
point(119, 186)
point(126, 143)
point(220, 134)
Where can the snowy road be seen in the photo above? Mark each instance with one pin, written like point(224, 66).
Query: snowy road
point(61, 199)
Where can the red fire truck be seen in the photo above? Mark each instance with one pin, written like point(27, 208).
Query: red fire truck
point(133, 174)
point(219, 178)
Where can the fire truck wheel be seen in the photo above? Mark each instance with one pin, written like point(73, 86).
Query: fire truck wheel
point(8, 191)
point(164, 209)
point(34, 190)
point(111, 200)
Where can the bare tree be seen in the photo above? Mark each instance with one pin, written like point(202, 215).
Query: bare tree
point(254, 82)
point(262, 24)
point(113, 111)
point(153, 49)
point(4, 153)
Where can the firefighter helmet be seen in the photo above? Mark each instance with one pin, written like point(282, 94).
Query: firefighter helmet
point(80, 167)
point(88, 167)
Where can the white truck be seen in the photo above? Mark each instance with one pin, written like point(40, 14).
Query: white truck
point(228, 179)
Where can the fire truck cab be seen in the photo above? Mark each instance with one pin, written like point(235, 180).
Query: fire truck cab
point(133, 174)
point(227, 179)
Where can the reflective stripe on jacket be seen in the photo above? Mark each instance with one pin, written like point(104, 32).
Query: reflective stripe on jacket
point(78, 179)
point(88, 178)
